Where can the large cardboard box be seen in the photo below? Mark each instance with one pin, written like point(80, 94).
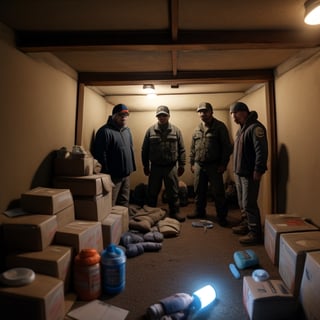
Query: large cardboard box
point(73, 166)
point(54, 261)
point(87, 185)
point(65, 216)
point(276, 224)
point(124, 212)
point(265, 300)
point(33, 232)
point(94, 208)
point(46, 200)
point(111, 229)
point(292, 254)
point(42, 299)
point(80, 235)
point(309, 290)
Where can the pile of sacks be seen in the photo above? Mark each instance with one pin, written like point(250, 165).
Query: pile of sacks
point(136, 243)
point(148, 226)
point(146, 219)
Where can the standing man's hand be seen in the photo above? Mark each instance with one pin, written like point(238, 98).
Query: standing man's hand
point(257, 175)
point(146, 171)
point(221, 169)
point(180, 171)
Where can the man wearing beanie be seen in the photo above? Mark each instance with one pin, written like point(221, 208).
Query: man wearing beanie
point(250, 163)
point(209, 156)
point(163, 158)
point(113, 148)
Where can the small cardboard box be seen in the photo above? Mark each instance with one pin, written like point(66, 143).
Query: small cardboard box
point(42, 299)
point(54, 261)
point(265, 300)
point(80, 235)
point(33, 232)
point(292, 254)
point(124, 212)
point(111, 229)
point(276, 224)
point(46, 200)
point(94, 208)
point(87, 185)
point(309, 290)
point(73, 166)
point(65, 216)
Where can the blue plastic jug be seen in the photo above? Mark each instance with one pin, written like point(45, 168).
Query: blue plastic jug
point(113, 265)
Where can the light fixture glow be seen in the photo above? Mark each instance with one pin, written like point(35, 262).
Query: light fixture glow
point(312, 14)
point(204, 296)
point(148, 88)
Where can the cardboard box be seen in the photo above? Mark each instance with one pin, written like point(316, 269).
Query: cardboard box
point(265, 300)
point(54, 261)
point(94, 208)
point(124, 212)
point(309, 290)
point(111, 229)
point(276, 224)
point(33, 232)
point(80, 235)
point(65, 216)
point(292, 254)
point(73, 166)
point(46, 200)
point(87, 185)
point(43, 299)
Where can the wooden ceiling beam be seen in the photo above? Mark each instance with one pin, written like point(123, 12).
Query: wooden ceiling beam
point(185, 77)
point(33, 41)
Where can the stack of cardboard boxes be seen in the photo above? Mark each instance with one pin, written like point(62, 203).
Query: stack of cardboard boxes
point(52, 226)
point(293, 244)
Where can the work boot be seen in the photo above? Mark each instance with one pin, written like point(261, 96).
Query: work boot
point(174, 213)
point(242, 228)
point(250, 239)
point(196, 215)
point(222, 221)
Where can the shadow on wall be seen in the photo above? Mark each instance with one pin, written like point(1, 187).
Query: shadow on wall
point(42, 178)
point(282, 179)
point(44, 174)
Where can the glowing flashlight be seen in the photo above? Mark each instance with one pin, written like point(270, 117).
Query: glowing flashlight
point(203, 297)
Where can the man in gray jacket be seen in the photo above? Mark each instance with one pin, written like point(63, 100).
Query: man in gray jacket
point(209, 156)
point(163, 158)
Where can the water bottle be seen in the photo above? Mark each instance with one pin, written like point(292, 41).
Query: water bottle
point(113, 262)
point(87, 274)
point(173, 304)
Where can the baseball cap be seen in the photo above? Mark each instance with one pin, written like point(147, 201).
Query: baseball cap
point(205, 106)
point(120, 108)
point(238, 106)
point(162, 110)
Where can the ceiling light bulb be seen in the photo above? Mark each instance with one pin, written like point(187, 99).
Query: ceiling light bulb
point(312, 14)
point(148, 88)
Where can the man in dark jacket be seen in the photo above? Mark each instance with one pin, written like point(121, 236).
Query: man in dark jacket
point(209, 156)
point(250, 163)
point(113, 148)
point(163, 158)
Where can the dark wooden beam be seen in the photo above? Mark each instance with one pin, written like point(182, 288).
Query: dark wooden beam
point(185, 77)
point(161, 40)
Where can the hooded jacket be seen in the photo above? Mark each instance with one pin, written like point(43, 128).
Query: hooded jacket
point(113, 148)
point(251, 147)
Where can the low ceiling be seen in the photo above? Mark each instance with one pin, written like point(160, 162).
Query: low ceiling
point(191, 50)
